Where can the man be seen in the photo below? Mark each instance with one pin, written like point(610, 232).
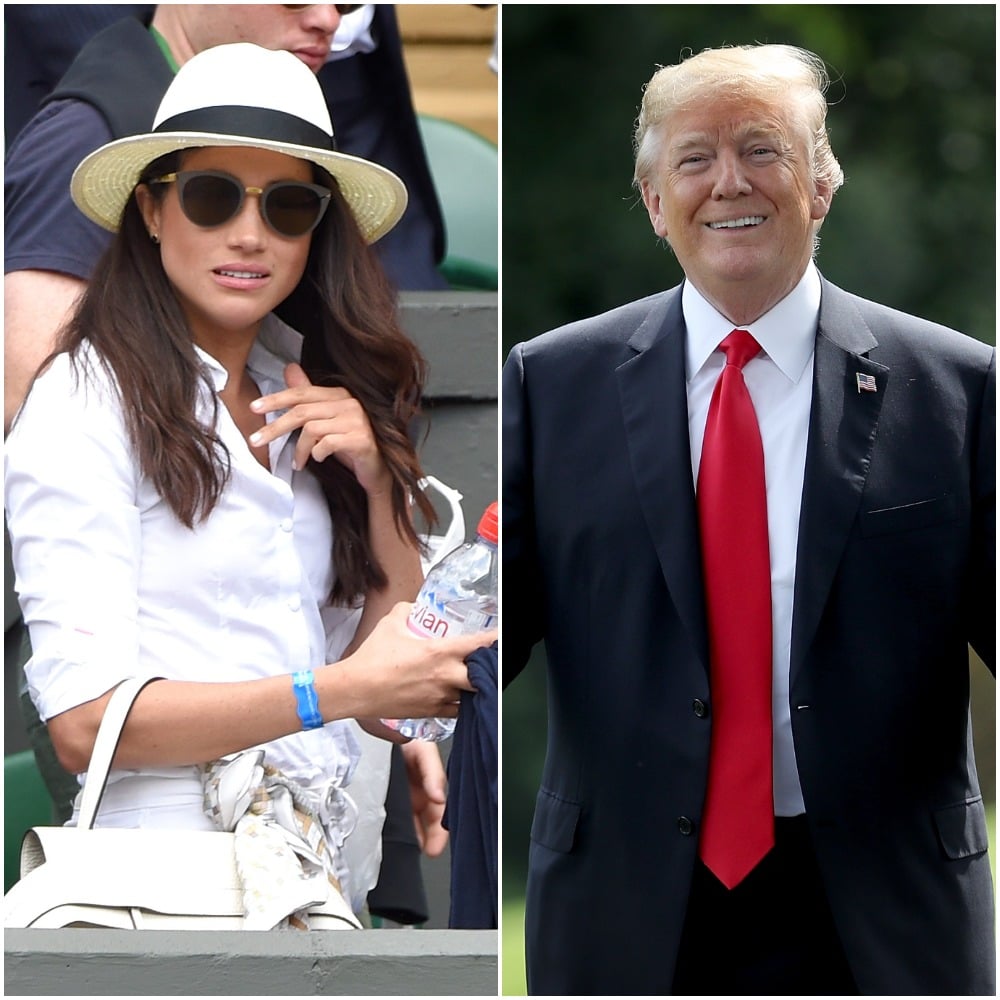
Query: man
point(113, 89)
point(367, 89)
point(40, 42)
point(757, 576)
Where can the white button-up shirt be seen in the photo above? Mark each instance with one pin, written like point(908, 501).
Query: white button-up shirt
point(111, 584)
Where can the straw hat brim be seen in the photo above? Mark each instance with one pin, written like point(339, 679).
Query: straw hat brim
point(105, 179)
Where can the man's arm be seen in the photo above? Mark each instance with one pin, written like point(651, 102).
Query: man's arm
point(521, 573)
point(50, 246)
point(981, 588)
point(36, 305)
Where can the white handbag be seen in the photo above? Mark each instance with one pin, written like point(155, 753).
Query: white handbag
point(137, 878)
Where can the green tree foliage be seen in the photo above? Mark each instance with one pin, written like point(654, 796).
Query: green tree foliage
point(912, 122)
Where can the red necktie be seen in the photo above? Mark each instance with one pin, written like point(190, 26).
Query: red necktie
point(738, 820)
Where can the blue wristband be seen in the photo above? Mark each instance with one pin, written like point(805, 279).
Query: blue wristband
point(306, 699)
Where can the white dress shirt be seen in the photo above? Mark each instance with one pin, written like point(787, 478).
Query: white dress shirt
point(111, 584)
point(354, 34)
point(779, 381)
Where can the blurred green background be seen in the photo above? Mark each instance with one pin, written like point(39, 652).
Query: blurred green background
point(913, 124)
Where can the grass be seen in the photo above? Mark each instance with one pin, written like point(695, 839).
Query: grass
point(513, 981)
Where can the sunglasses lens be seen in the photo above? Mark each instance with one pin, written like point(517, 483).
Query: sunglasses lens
point(209, 200)
point(293, 209)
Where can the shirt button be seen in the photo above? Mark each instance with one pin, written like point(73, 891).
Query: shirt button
point(295, 603)
point(699, 708)
point(685, 826)
point(286, 524)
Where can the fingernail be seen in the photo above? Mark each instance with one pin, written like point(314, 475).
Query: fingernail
point(256, 438)
point(257, 404)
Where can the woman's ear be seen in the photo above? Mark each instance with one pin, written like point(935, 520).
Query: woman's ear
point(150, 209)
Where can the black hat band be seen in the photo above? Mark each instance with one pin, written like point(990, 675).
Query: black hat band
point(265, 124)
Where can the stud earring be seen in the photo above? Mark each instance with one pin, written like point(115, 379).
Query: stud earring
point(155, 238)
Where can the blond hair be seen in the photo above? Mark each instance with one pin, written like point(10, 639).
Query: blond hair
point(774, 73)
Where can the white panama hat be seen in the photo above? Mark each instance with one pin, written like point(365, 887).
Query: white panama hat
point(240, 95)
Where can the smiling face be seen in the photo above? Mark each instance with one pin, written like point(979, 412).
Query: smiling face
point(229, 277)
point(733, 193)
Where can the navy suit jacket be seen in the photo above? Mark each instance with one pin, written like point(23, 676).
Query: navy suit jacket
point(895, 577)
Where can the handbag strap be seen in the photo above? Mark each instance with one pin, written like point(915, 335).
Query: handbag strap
point(109, 735)
point(440, 546)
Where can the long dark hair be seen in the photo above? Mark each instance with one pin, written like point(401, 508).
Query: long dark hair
point(346, 310)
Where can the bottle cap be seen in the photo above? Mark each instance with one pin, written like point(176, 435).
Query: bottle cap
point(489, 524)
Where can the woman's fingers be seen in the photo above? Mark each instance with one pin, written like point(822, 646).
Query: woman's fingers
point(412, 676)
point(331, 423)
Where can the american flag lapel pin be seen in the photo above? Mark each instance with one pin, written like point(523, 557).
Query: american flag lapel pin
point(866, 383)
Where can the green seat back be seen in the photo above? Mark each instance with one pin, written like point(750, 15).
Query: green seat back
point(26, 803)
point(464, 167)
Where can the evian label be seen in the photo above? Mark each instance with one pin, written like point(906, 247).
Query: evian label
point(429, 618)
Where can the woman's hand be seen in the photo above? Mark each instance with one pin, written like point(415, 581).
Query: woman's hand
point(394, 674)
point(332, 422)
point(397, 674)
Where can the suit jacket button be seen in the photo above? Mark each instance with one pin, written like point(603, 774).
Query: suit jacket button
point(699, 708)
point(685, 826)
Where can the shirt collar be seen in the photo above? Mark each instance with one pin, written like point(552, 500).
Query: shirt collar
point(276, 345)
point(787, 332)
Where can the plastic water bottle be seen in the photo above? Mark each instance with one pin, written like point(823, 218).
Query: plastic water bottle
point(459, 597)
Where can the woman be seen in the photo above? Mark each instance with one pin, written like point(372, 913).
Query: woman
point(227, 503)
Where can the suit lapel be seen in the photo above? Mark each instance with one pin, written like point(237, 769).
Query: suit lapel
point(652, 389)
point(842, 429)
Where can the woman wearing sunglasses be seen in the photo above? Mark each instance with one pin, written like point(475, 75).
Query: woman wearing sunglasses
point(201, 491)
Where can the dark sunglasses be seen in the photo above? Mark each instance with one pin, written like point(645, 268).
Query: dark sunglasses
point(211, 198)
